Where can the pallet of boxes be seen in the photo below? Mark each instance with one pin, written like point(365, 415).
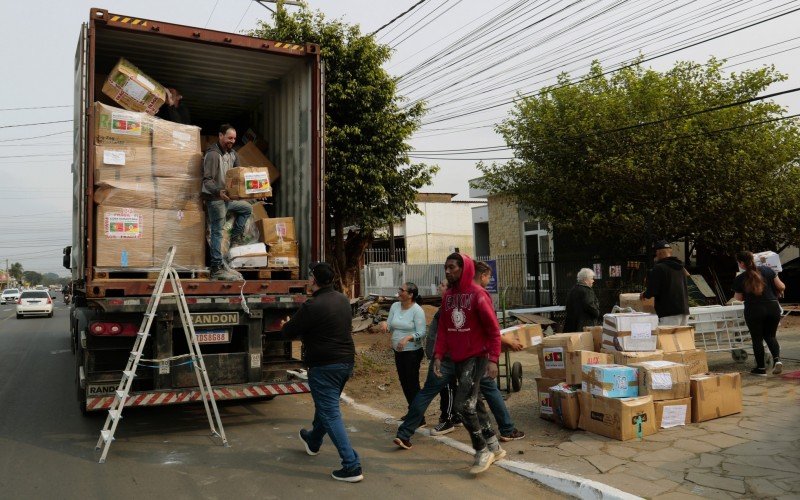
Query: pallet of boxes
point(629, 377)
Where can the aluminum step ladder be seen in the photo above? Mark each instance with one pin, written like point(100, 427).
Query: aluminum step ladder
point(121, 394)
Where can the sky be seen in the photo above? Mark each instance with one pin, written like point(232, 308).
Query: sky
point(467, 59)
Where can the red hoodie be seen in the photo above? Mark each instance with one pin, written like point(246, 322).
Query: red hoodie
point(468, 326)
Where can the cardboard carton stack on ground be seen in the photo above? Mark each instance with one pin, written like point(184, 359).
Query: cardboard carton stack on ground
point(678, 345)
point(617, 418)
point(668, 384)
point(613, 381)
point(564, 405)
point(715, 395)
point(629, 332)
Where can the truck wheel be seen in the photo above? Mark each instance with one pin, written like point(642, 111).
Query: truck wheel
point(516, 376)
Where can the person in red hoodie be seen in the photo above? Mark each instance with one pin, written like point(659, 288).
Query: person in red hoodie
point(469, 333)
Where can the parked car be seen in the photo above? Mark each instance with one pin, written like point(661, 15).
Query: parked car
point(35, 303)
point(9, 296)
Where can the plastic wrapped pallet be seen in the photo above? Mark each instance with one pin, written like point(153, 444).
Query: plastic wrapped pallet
point(163, 193)
point(124, 237)
point(243, 183)
point(186, 230)
point(128, 86)
point(171, 135)
point(118, 127)
point(177, 164)
point(122, 163)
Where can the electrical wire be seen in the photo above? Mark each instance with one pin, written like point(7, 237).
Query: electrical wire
point(212, 13)
point(398, 17)
point(32, 124)
point(249, 4)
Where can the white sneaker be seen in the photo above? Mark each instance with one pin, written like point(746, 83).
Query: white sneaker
point(483, 459)
point(777, 368)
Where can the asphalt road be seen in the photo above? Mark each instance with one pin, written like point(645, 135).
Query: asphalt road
point(47, 447)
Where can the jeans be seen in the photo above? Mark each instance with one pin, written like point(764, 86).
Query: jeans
point(762, 320)
point(407, 364)
point(217, 211)
point(327, 383)
point(674, 320)
point(491, 393)
point(416, 410)
point(468, 404)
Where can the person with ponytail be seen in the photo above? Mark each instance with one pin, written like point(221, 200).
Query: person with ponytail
point(759, 288)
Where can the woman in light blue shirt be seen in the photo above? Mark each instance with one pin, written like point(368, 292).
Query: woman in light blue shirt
point(406, 322)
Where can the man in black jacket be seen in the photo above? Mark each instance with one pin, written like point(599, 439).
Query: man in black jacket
point(667, 283)
point(582, 308)
point(324, 324)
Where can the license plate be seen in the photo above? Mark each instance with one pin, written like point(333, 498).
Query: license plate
point(213, 336)
point(33, 301)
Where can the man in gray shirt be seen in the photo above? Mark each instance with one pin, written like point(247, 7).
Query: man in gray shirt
point(218, 159)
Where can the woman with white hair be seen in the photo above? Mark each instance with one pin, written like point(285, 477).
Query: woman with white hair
point(582, 307)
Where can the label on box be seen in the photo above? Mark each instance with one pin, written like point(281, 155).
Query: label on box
point(658, 364)
point(620, 382)
point(673, 416)
point(280, 261)
point(641, 331)
point(145, 82)
point(181, 136)
point(135, 90)
point(545, 404)
point(553, 357)
point(257, 182)
point(111, 157)
point(661, 381)
point(125, 124)
point(536, 340)
point(123, 225)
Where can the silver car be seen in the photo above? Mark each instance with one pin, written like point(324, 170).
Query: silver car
point(9, 296)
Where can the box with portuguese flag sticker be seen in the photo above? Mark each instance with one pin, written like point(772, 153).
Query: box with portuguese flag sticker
point(554, 349)
point(118, 127)
point(124, 237)
point(133, 90)
point(248, 183)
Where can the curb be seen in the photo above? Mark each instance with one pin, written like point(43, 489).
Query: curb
point(569, 484)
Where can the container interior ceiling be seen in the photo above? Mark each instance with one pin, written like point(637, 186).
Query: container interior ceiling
point(218, 83)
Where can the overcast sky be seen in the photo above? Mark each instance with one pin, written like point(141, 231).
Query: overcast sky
point(467, 90)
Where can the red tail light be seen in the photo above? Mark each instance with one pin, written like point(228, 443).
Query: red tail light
point(111, 329)
point(19, 301)
point(49, 300)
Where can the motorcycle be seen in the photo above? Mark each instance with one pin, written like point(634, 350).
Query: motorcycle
point(67, 298)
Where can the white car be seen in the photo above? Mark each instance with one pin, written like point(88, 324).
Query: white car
point(34, 303)
point(9, 296)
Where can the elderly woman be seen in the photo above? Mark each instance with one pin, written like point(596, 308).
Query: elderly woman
point(582, 306)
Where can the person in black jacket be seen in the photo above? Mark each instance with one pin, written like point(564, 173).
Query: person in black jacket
point(667, 283)
point(582, 307)
point(324, 324)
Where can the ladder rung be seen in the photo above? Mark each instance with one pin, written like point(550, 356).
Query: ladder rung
point(129, 373)
point(168, 294)
point(107, 436)
point(121, 394)
point(115, 414)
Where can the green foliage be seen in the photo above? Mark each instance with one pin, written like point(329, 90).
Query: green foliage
point(728, 179)
point(32, 278)
point(16, 271)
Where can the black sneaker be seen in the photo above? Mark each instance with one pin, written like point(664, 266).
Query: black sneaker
point(443, 428)
point(512, 436)
point(761, 372)
point(777, 368)
point(457, 422)
point(304, 438)
point(403, 443)
point(348, 475)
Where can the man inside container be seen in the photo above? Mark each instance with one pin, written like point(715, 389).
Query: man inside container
point(174, 110)
point(218, 159)
point(667, 283)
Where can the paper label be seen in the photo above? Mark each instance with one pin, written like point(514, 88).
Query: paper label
point(674, 416)
point(125, 124)
point(553, 357)
point(136, 91)
point(181, 136)
point(661, 381)
point(536, 340)
point(123, 226)
point(144, 81)
point(641, 331)
point(545, 404)
point(658, 364)
point(111, 157)
point(280, 261)
point(256, 182)
point(280, 229)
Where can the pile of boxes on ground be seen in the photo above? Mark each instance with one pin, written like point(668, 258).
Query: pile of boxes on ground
point(630, 377)
point(148, 178)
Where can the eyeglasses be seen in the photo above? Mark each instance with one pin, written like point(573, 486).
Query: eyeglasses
point(402, 289)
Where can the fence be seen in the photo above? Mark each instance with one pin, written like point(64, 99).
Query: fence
point(384, 278)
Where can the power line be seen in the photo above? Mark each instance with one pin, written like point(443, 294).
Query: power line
point(212, 13)
point(249, 3)
point(398, 17)
point(35, 107)
point(36, 136)
point(32, 124)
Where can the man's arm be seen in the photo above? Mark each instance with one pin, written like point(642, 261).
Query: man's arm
point(211, 164)
point(491, 328)
point(298, 325)
point(653, 284)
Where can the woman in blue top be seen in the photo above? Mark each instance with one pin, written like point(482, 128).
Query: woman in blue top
point(760, 288)
point(407, 323)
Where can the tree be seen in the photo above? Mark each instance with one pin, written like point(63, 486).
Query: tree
point(626, 158)
point(32, 278)
point(369, 178)
point(16, 271)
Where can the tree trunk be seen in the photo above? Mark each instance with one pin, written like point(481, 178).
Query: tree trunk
point(346, 254)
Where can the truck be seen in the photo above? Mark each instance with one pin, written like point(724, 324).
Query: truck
point(277, 89)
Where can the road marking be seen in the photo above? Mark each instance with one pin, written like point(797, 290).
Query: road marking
point(61, 351)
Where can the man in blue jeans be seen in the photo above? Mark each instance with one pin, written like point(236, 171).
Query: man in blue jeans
point(218, 159)
point(324, 324)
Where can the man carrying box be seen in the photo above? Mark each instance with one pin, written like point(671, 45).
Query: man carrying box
point(218, 159)
point(667, 283)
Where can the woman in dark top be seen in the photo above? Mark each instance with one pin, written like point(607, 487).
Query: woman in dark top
point(760, 288)
point(582, 308)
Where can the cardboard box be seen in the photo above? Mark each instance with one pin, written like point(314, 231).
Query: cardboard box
point(629, 357)
point(167, 134)
point(597, 336)
point(673, 412)
point(552, 355)
point(715, 395)
point(529, 335)
point(696, 360)
point(566, 410)
point(242, 183)
point(186, 229)
point(117, 127)
point(124, 237)
point(576, 360)
point(633, 301)
point(251, 156)
point(129, 163)
point(159, 192)
point(253, 255)
point(614, 381)
point(768, 259)
point(133, 90)
point(543, 386)
point(260, 211)
point(663, 380)
point(629, 332)
point(621, 419)
point(675, 338)
point(177, 164)
point(285, 254)
point(276, 230)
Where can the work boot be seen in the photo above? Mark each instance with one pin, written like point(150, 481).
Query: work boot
point(494, 446)
point(483, 459)
point(237, 240)
point(222, 274)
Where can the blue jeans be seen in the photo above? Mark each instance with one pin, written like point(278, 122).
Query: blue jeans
point(416, 410)
point(217, 211)
point(491, 393)
point(327, 383)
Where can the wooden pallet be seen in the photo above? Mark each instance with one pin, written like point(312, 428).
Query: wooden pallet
point(271, 273)
point(147, 274)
